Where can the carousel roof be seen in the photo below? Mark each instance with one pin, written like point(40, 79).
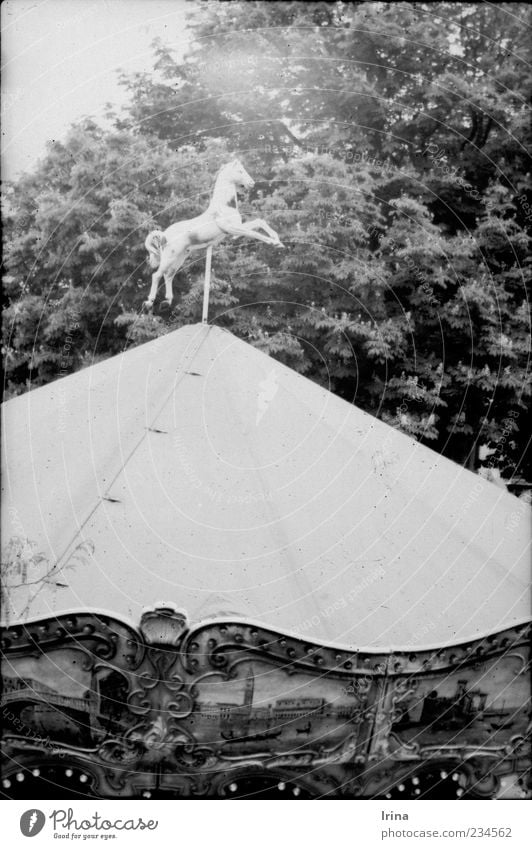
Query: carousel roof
point(196, 470)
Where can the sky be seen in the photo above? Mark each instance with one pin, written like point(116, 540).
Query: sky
point(60, 60)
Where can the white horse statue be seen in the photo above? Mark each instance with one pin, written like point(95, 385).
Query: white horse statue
point(168, 250)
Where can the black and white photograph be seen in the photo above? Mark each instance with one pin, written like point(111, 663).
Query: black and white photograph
point(266, 480)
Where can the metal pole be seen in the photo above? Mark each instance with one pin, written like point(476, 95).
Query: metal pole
point(207, 286)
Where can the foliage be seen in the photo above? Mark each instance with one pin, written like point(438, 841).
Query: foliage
point(388, 143)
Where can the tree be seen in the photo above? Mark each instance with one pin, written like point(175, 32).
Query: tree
point(388, 142)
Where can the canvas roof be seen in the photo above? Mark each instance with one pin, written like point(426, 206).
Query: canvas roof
point(196, 470)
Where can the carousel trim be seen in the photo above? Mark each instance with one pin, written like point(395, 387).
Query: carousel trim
point(127, 621)
point(169, 709)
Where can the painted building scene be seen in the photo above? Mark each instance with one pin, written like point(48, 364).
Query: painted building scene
point(272, 707)
point(481, 705)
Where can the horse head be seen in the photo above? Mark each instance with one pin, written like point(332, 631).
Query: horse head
point(238, 175)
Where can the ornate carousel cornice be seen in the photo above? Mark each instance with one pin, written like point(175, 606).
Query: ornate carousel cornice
point(224, 708)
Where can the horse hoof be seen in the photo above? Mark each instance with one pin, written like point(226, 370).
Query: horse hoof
point(147, 306)
point(166, 306)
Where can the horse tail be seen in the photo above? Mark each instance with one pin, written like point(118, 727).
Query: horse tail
point(154, 243)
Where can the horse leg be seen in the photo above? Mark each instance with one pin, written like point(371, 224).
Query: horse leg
point(174, 256)
point(169, 292)
point(260, 224)
point(155, 280)
point(243, 230)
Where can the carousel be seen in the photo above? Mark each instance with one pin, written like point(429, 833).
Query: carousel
point(221, 580)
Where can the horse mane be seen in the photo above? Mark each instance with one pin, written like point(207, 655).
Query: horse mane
point(222, 168)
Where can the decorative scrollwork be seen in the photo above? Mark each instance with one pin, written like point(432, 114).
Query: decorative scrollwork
point(173, 704)
point(190, 755)
point(102, 638)
point(120, 751)
point(165, 691)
